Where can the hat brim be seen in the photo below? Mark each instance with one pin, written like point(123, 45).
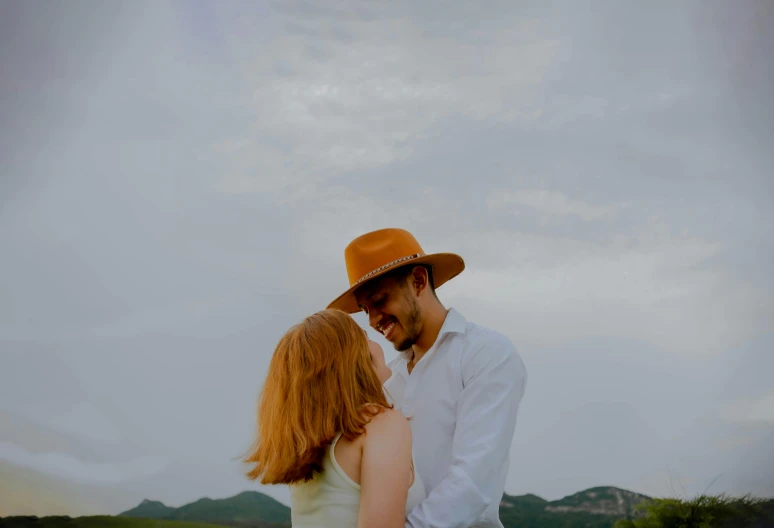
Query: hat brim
point(445, 266)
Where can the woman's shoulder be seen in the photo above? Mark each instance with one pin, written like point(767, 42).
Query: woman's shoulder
point(389, 422)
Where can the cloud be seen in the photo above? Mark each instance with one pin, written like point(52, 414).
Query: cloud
point(67, 466)
point(653, 284)
point(548, 203)
point(595, 400)
point(85, 420)
point(370, 100)
point(759, 409)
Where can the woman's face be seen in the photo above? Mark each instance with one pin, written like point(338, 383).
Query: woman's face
point(377, 354)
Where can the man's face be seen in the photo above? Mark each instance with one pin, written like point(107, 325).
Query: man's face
point(393, 310)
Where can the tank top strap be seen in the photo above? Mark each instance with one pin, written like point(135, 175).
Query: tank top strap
point(337, 467)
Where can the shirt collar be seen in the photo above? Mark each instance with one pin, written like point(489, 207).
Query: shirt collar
point(455, 323)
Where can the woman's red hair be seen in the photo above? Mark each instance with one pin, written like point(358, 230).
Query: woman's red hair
point(320, 382)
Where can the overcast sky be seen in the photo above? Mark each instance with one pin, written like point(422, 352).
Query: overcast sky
point(178, 181)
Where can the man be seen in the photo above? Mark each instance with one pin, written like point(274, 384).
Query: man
point(459, 383)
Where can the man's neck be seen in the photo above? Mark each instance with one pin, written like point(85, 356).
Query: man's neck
point(431, 327)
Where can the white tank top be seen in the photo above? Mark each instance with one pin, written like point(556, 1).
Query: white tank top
point(332, 499)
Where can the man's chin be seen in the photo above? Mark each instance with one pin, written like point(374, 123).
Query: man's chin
point(403, 346)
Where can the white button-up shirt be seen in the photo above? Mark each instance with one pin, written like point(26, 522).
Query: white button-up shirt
point(462, 399)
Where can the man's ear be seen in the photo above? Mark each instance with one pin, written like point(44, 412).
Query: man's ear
point(419, 279)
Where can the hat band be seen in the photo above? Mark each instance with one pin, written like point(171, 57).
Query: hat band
point(388, 265)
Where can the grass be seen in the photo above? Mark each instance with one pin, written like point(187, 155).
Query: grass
point(97, 521)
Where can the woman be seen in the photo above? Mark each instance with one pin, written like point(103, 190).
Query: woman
point(326, 429)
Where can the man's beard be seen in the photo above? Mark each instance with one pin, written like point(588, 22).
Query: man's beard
point(411, 326)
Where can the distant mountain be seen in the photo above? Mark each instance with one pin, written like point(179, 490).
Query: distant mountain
point(247, 506)
point(246, 509)
point(528, 502)
point(597, 507)
point(601, 501)
point(531, 507)
point(149, 509)
point(592, 508)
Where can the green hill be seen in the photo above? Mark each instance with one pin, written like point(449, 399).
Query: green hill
point(151, 510)
point(99, 521)
point(597, 507)
point(601, 500)
point(592, 508)
point(527, 503)
point(247, 506)
point(239, 510)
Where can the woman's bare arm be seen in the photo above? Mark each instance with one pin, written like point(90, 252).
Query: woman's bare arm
point(385, 471)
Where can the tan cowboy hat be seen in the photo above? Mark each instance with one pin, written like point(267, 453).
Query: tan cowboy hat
point(377, 252)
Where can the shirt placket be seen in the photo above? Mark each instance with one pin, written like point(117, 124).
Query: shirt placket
point(413, 380)
point(409, 390)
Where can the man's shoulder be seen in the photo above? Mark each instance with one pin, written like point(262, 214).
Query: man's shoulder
point(473, 332)
point(479, 336)
point(488, 350)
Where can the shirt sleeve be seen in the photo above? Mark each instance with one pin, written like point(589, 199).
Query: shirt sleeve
point(494, 380)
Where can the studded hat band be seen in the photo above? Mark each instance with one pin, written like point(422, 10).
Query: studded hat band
point(388, 265)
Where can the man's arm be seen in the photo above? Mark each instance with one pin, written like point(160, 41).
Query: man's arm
point(494, 380)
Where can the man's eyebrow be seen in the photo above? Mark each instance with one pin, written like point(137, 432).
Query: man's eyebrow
point(369, 294)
